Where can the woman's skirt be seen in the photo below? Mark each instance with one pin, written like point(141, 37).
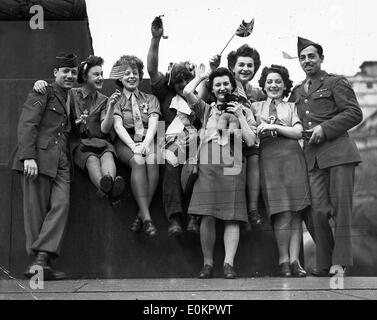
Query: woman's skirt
point(219, 190)
point(284, 178)
point(81, 153)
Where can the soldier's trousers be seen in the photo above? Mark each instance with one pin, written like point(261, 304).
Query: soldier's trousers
point(332, 192)
point(173, 200)
point(46, 206)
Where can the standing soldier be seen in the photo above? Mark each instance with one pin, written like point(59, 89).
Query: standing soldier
point(328, 108)
point(43, 157)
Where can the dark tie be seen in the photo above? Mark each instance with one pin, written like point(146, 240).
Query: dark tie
point(272, 112)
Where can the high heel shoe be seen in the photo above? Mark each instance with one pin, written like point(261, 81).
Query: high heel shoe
point(149, 229)
point(229, 272)
point(297, 270)
point(206, 272)
point(284, 269)
point(136, 225)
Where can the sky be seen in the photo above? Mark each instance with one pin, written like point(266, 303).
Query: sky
point(199, 29)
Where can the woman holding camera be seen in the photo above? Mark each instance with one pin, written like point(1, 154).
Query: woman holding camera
point(216, 193)
point(284, 181)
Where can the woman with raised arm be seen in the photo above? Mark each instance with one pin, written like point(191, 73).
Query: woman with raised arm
point(216, 193)
point(135, 122)
point(284, 181)
point(94, 112)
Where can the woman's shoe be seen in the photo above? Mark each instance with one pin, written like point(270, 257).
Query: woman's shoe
point(297, 270)
point(255, 218)
point(229, 272)
point(136, 225)
point(118, 187)
point(106, 183)
point(149, 228)
point(206, 272)
point(284, 269)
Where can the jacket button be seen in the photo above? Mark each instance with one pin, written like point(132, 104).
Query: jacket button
point(59, 134)
point(306, 100)
point(54, 109)
point(309, 124)
point(320, 95)
point(56, 142)
point(307, 112)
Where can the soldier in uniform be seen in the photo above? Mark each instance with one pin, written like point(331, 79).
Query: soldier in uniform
point(328, 108)
point(42, 156)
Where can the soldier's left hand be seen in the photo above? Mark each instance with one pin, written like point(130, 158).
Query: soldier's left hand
point(318, 136)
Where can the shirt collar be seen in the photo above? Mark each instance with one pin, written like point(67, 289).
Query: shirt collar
point(85, 93)
point(278, 101)
point(128, 93)
point(320, 75)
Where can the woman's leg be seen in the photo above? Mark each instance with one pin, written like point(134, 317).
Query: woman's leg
point(253, 182)
point(208, 238)
point(139, 185)
point(108, 164)
point(153, 175)
point(282, 230)
point(296, 237)
point(93, 166)
point(231, 239)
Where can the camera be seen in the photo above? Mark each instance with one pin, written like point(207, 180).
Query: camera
point(228, 98)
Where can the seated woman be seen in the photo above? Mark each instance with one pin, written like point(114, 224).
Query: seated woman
point(93, 112)
point(284, 181)
point(135, 122)
point(216, 193)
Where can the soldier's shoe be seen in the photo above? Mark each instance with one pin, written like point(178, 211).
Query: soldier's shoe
point(193, 224)
point(42, 260)
point(175, 227)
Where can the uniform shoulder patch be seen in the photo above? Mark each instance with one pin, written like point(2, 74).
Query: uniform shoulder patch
point(37, 103)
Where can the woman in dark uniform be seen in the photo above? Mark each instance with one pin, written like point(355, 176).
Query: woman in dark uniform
point(93, 112)
point(284, 182)
point(219, 194)
point(135, 122)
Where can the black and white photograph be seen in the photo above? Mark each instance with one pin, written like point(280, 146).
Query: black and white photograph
point(188, 155)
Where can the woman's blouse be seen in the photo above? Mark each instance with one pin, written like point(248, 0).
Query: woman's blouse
point(286, 112)
point(147, 103)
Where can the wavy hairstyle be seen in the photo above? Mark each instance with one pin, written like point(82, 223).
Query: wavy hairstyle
point(283, 71)
point(244, 51)
point(130, 61)
point(86, 65)
point(219, 72)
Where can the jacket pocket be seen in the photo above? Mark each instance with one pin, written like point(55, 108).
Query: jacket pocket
point(321, 94)
point(56, 109)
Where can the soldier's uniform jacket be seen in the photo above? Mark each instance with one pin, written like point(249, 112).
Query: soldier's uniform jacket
point(43, 130)
point(330, 102)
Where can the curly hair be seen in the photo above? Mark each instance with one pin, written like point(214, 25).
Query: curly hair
point(133, 62)
point(180, 72)
point(244, 51)
point(219, 72)
point(86, 65)
point(283, 71)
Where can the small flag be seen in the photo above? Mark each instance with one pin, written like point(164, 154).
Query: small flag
point(287, 55)
point(245, 28)
point(117, 72)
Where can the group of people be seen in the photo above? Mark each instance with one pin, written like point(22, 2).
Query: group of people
point(246, 143)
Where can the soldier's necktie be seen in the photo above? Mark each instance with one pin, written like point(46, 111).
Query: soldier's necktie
point(307, 85)
point(138, 123)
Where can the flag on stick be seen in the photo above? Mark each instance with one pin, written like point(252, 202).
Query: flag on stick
point(244, 30)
